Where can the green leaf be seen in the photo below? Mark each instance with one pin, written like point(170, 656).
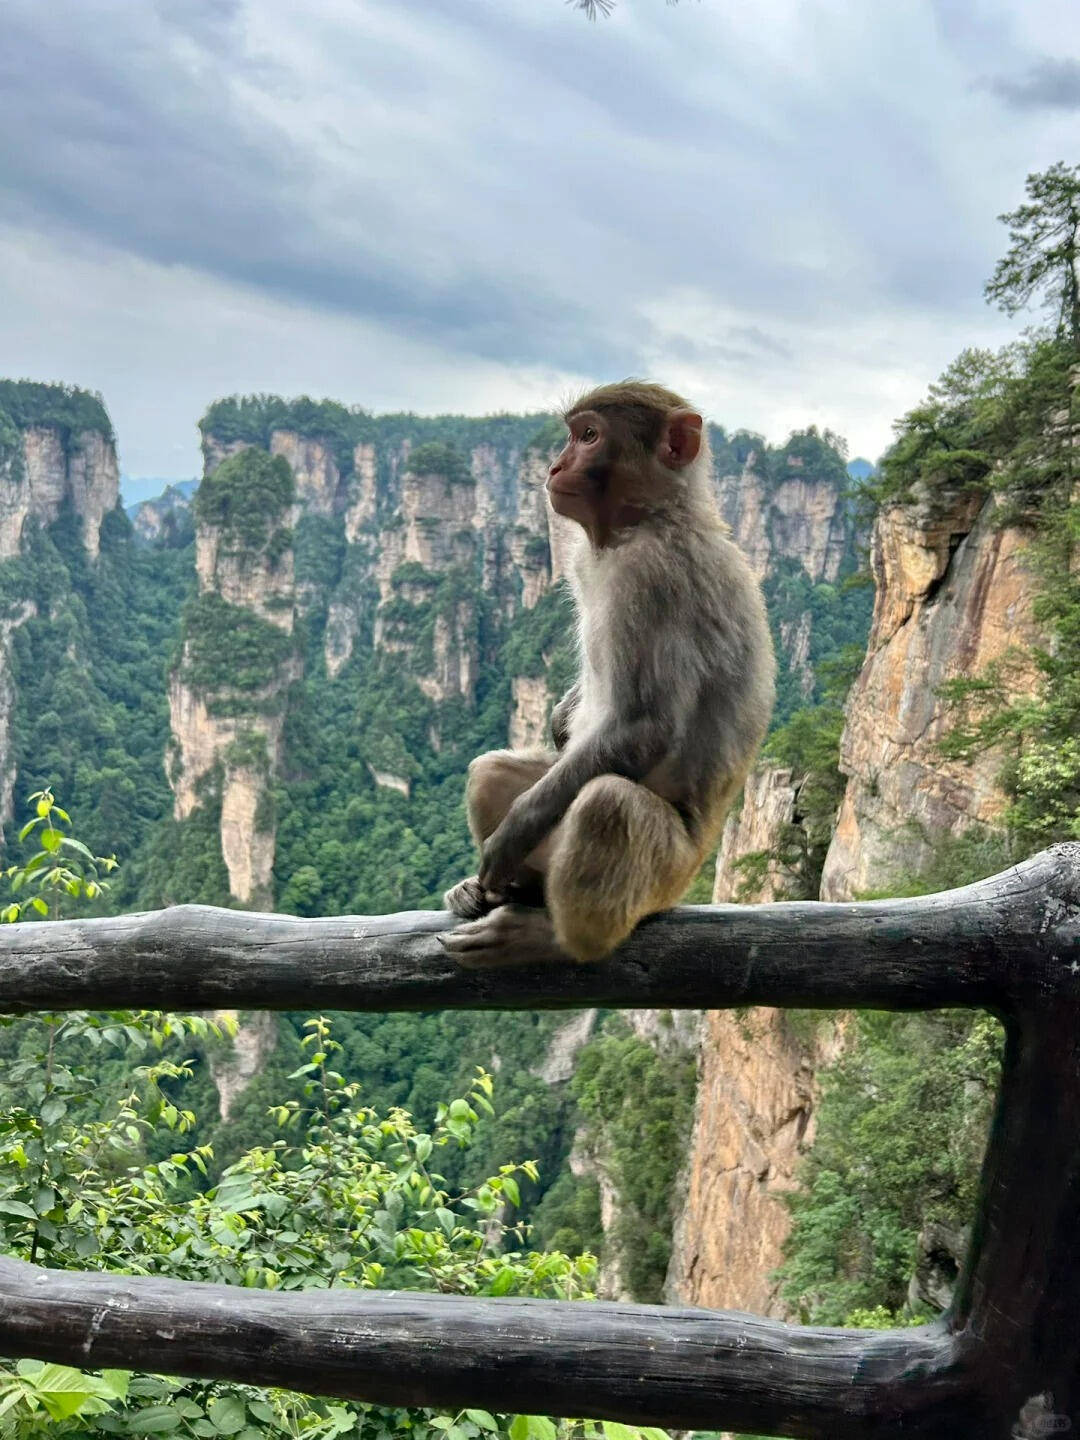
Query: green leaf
point(154, 1420)
point(519, 1428)
point(50, 841)
point(483, 1418)
point(613, 1430)
point(503, 1282)
point(227, 1416)
point(16, 1207)
point(117, 1382)
point(445, 1219)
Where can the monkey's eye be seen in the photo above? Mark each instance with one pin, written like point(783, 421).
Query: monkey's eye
point(589, 434)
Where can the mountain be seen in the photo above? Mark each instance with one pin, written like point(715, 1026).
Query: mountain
point(136, 489)
point(265, 691)
point(861, 469)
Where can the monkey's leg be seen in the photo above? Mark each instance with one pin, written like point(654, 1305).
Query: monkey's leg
point(620, 853)
point(495, 782)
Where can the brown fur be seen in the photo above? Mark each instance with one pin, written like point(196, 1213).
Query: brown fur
point(672, 701)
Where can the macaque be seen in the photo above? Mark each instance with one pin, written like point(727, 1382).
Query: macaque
point(673, 698)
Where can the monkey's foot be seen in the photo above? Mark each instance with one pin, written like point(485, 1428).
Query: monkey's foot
point(469, 899)
point(510, 935)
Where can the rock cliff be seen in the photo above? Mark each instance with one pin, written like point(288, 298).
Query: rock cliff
point(50, 470)
point(228, 691)
point(752, 1122)
point(437, 537)
point(953, 595)
point(754, 1106)
point(791, 512)
point(57, 457)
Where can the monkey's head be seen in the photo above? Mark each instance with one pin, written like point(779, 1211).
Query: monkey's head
point(630, 453)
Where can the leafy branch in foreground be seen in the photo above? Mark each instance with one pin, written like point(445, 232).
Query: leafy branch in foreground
point(62, 869)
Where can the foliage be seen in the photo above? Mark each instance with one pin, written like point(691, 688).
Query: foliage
point(808, 744)
point(637, 1103)
point(245, 498)
point(542, 641)
point(65, 408)
point(1031, 449)
point(232, 655)
point(901, 1128)
point(435, 457)
point(61, 871)
point(1043, 260)
point(91, 718)
point(946, 442)
point(342, 1197)
point(254, 418)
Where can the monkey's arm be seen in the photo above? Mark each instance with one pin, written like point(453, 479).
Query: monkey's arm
point(631, 748)
point(563, 713)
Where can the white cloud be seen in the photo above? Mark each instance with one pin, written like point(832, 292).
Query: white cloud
point(787, 209)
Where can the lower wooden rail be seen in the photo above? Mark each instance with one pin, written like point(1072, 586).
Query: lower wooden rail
point(1004, 1362)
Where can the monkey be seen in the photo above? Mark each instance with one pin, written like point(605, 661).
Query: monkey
point(653, 741)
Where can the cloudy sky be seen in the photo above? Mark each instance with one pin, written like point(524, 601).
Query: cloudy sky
point(786, 209)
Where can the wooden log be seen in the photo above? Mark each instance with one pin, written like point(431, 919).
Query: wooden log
point(686, 1369)
point(986, 945)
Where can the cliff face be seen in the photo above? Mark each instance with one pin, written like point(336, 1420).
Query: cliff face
point(768, 806)
point(752, 1122)
point(954, 594)
point(227, 694)
point(82, 472)
point(165, 516)
point(800, 518)
point(796, 524)
point(754, 1107)
point(56, 453)
point(432, 534)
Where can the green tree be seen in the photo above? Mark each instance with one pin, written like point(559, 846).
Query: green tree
point(1044, 253)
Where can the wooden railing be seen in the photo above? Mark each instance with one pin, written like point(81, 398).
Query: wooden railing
point(1004, 1362)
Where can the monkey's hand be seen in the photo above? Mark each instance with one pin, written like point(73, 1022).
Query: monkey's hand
point(501, 860)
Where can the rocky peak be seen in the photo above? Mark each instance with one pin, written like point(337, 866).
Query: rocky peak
point(44, 468)
point(319, 489)
point(227, 693)
point(954, 594)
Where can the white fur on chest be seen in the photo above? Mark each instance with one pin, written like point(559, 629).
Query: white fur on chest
point(594, 593)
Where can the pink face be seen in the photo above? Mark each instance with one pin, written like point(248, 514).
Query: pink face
point(596, 477)
point(581, 473)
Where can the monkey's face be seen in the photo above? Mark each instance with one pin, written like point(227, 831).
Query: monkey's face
point(580, 477)
point(621, 463)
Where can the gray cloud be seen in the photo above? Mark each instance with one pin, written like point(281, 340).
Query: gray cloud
point(777, 208)
point(1048, 84)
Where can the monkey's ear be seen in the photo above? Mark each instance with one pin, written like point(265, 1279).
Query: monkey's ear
point(680, 444)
